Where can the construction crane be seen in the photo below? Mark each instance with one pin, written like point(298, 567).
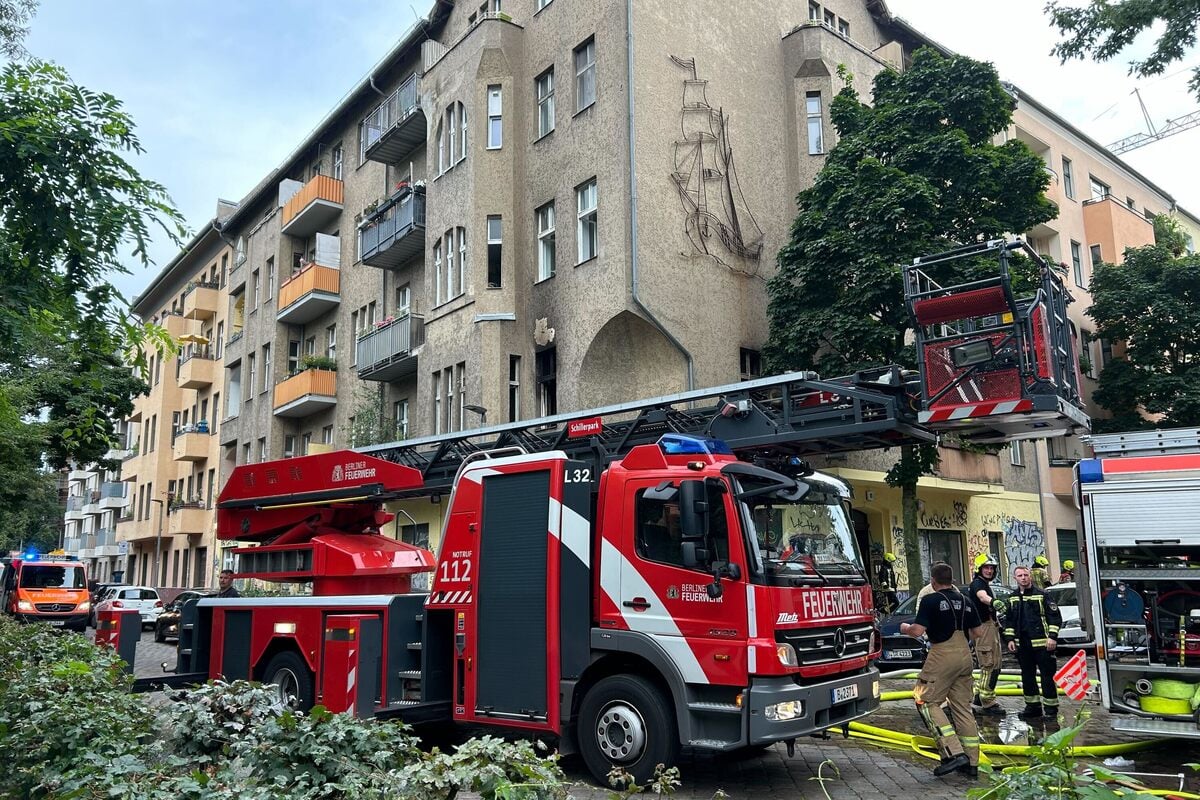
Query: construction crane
point(1172, 127)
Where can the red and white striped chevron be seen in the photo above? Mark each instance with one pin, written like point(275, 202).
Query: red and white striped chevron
point(974, 410)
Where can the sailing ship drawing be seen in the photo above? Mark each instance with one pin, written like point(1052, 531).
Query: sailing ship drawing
point(705, 176)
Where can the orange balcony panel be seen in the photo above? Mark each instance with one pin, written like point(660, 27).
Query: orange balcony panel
point(961, 465)
point(1114, 226)
point(197, 372)
point(308, 294)
point(191, 446)
point(306, 393)
point(200, 302)
point(1062, 480)
point(189, 520)
point(313, 207)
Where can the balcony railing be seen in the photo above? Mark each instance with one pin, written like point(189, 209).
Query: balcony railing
point(188, 517)
point(306, 393)
point(200, 301)
point(395, 232)
point(387, 352)
point(75, 504)
point(308, 294)
point(396, 127)
point(313, 207)
point(114, 494)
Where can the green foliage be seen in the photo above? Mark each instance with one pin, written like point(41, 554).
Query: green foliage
point(1103, 28)
point(915, 173)
point(1051, 771)
point(14, 25)
point(370, 424)
point(1151, 303)
point(312, 361)
point(71, 729)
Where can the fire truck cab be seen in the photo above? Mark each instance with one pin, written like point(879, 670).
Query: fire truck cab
point(50, 589)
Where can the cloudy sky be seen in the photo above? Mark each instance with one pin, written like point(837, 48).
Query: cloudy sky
point(222, 90)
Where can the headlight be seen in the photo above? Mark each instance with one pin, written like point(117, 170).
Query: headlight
point(787, 655)
point(24, 605)
point(86, 605)
point(784, 711)
point(875, 688)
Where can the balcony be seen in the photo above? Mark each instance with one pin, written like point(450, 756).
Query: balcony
point(396, 127)
point(308, 294)
point(78, 475)
point(114, 494)
point(106, 543)
point(188, 518)
point(197, 370)
point(395, 232)
point(201, 300)
point(191, 443)
point(314, 207)
point(1115, 226)
point(75, 504)
point(306, 393)
point(174, 324)
point(387, 353)
point(71, 546)
point(91, 505)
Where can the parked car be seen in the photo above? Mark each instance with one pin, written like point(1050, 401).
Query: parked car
point(1071, 635)
point(167, 624)
point(97, 591)
point(143, 598)
point(103, 591)
point(908, 652)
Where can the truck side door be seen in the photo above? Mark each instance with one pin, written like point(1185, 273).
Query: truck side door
point(665, 598)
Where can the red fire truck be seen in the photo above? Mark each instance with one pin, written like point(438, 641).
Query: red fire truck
point(631, 579)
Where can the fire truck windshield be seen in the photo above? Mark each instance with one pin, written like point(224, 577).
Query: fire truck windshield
point(801, 531)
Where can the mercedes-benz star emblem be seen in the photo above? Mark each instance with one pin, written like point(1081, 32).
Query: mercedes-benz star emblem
point(839, 642)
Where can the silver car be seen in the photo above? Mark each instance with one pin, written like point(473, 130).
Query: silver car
point(144, 599)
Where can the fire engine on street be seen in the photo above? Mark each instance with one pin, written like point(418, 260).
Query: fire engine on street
point(628, 580)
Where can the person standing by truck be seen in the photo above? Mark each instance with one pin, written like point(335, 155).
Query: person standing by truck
point(987, 646)
point(1040, 573)
point(886, 576)
point(951, 620)
point(1031, 623)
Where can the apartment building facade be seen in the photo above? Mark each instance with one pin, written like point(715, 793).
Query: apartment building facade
point(167, 534)
point(96, 501)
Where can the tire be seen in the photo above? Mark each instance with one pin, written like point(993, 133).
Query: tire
point(289, 672)
point(624, 721)
point(159, 636)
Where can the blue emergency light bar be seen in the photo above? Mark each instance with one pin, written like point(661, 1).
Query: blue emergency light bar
point(1091, 471)
point(678, 444)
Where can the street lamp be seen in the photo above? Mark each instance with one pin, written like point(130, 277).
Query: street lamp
point(158, 540)
point(480, 410)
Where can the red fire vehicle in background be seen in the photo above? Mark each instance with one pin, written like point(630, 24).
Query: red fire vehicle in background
point(630, 579)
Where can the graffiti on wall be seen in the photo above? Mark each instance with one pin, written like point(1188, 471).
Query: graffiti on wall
point(977, 542)
point(941, 519)
point(1023, 541)
point(901, 564)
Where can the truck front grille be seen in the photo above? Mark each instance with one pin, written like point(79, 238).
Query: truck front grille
point(821, 645)
point(55, 608)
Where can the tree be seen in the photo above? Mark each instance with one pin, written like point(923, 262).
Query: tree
point(1103, 28)
point(1151, 303)
point(369, 424)
point(914, 173)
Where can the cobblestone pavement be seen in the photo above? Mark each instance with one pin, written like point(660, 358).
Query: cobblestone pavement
point(855, 769)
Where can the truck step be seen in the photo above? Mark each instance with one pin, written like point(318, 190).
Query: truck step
point(409, 673)
point(414, 645)
point(717, 708)
point(713, 744)
point(1157, 727)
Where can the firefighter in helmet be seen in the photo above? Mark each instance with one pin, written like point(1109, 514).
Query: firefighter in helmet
point(987, 646)
point(1040, 574)
point(886, 575)
point(1067, 574)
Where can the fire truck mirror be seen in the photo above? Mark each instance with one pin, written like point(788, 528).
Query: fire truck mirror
point(694, 556)
point(693, 510)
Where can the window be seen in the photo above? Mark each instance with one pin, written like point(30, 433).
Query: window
point(514, 388)
point(659, 532)
point(814, 12)
point(327, 434)
point(585, 200)
point(403, 300)
point(239, 251)
point(253, 374)
point(452, 135)
point(262, 449)
point(495, 126)
point(546, 364)
point(441, 140)
point(246, 453)
point(220, 339)
point(462, 131)
point(1100, 190)
point(310, 346)
point(437, 273)
point(545, 235)
point(254, 284)
point(1106, 354)
point(494, 245)
point(585, 75)
point(1068, 545)
point(400, 417)
point(337, 161)
point(1097, 256)
point(305, 443)
point(1077, 263)
point(289, 445)
point(1068, 179)
point(1132, 205)
point(331, 341)
point(224, 269)
point(843, 27)
point(270, 279)
point(1089, 363)
point(460, 376)
point(751, 363)
point(544, 85)
point(448, 406)
point(816, 138)
point(437, 402)
point(449, 244)
point(829, 19)
point(1015, 455)
point(293, 357)
point(462, 260)
point(266, 367)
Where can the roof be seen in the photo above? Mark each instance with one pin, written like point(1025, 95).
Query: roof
point(145, 304)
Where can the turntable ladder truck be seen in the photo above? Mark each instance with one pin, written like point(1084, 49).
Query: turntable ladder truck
point(628, 580)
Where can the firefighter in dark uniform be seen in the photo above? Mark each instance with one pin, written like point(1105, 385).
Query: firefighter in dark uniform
point(987, 646)
point(951, 620)
point(1031, 622)
point(887, 581)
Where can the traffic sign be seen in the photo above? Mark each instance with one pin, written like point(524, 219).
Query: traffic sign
point(1072, 677)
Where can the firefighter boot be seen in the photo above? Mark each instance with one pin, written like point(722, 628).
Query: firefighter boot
point(955, 763)
point(1032, 711)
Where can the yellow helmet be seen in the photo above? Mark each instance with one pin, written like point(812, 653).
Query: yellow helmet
point(985, 560)
point(1068, 564)
point(1042, 561)
point(889, 557)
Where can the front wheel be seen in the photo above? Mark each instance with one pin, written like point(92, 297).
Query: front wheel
point(291, 677)
point(625, 722)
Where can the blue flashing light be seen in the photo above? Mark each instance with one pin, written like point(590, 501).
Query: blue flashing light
point(1090, 471)
point(678, 444)
point(31, 556)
